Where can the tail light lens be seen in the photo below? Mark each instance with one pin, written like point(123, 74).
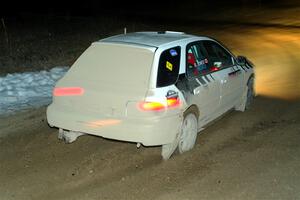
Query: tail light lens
point(151, 106)
point(173, 102)
point(157, 106)
point(68, 91)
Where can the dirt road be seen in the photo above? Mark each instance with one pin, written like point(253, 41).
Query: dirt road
point(250, 155)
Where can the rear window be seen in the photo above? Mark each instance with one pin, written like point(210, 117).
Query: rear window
point(109, 65)
point(168, 67)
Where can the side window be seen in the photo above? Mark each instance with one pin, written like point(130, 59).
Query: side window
point(168, 67)
point(218, 56)
point(196, 60)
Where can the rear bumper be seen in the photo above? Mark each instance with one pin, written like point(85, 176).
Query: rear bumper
point(148, 131)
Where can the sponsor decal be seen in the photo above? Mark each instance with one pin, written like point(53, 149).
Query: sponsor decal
point(234, 73)
point(173, 52)
point(202, 81)
point(206, 78)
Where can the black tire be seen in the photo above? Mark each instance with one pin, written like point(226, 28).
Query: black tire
point(250, 93)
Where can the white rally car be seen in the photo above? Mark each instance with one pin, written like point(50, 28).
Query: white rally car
point(151, 88)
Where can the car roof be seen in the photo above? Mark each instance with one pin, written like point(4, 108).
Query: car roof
point(153, 39)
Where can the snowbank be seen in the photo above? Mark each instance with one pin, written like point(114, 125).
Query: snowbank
point(26, 90)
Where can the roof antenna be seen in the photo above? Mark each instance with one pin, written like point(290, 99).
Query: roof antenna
point(125, 30)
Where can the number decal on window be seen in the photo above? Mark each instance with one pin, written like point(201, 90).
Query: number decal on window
point(169, 66)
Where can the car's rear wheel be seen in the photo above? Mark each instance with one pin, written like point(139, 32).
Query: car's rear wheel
point(188, 134)
point(186, 138)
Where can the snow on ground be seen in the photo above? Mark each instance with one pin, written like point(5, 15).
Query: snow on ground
point(20, 91)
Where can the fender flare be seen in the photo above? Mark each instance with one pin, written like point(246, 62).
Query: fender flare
point(192, 109)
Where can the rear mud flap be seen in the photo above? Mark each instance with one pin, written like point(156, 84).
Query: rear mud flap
point(167, 150)
point(68, 136)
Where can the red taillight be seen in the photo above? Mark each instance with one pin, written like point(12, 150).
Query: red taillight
point(68, 91)
point(173, 102)
point(157, 106)
point(151, 106)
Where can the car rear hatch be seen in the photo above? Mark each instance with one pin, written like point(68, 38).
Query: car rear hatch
point(105, 78)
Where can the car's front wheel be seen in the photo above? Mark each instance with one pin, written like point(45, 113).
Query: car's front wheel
point(248, 96)
point(250, 93)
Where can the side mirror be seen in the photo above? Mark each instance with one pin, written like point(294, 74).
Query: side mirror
point(218, 64)
point(241, 60)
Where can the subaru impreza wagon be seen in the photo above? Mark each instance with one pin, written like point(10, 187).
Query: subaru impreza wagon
point(151, 88)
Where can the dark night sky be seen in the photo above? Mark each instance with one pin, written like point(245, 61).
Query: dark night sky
point(98, 7)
